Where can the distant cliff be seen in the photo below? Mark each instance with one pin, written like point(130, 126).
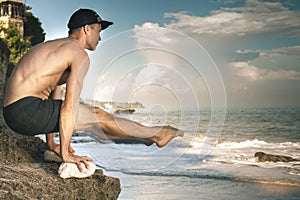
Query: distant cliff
point(111, 105)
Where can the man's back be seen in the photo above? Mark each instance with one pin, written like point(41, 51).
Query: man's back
point(42, 69)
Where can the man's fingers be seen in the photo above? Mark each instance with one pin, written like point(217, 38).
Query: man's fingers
point(88, 159)
point(78, 160)
point(87, 166)
point(85, 161)
point(79, 166)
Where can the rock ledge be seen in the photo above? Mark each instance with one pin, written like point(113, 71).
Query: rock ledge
point(25, 174)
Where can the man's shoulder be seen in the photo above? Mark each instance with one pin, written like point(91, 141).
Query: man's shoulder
point(67, 45)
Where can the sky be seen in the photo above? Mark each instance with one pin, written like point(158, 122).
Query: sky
point(188, 54)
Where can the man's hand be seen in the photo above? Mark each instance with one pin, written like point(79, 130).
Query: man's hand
point(78, 160)
point(56, 147)
point(71, 158)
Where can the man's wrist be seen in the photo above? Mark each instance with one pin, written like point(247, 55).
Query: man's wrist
point(64, 157)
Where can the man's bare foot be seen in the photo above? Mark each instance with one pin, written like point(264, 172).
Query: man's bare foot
point(165, 135)
point(148, 142)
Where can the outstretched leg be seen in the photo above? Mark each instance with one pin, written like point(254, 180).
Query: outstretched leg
point(107, 126)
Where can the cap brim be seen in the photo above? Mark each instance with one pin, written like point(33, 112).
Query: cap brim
point(105, 24)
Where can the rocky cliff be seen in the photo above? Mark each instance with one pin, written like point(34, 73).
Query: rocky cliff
point(25, 175)
point(4, 56)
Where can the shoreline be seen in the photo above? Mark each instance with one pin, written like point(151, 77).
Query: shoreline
point(242, 180)
point(159, 187)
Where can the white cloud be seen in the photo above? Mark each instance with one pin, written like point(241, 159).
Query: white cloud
point(219, 23)
point(154, 84)
point(271, 19)
point(151, 73)
point(191, 72)
point(245, 55)
point(253, 73)
point(166, 75)
point(290, 51)
point(285, 58)
point(105, 94)
point(161, 70)
point(152, 34)
point(251, 55)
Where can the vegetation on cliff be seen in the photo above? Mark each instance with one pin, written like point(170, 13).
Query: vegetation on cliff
point(19, 44)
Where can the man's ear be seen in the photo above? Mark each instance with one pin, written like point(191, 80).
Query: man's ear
point(86, 28)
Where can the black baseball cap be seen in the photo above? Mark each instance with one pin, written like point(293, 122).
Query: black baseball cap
point(86, 17)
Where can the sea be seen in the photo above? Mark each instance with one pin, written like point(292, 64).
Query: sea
point(207, 162)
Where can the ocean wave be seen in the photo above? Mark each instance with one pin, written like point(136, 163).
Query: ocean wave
point(256, 143)
point(295, 171)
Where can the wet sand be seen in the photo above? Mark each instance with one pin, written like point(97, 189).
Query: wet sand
point(164, 187)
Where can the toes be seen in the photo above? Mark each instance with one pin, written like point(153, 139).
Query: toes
point(148, 143)
point(180, 133)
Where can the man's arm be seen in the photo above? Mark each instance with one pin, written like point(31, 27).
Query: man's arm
point(69, 109)
point(56, 94)
point(50, 136)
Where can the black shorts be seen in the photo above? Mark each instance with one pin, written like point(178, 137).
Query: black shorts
point(32, 116)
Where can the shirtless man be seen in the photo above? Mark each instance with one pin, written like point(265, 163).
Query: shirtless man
point(32, 105)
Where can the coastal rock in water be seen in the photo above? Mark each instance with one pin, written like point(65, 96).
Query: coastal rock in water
point(263, 157)
point(70, 170)
point(50, 156)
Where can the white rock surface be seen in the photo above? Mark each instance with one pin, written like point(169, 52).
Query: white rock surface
point(70, 170)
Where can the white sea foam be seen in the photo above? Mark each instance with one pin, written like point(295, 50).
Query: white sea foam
point(244, 144)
